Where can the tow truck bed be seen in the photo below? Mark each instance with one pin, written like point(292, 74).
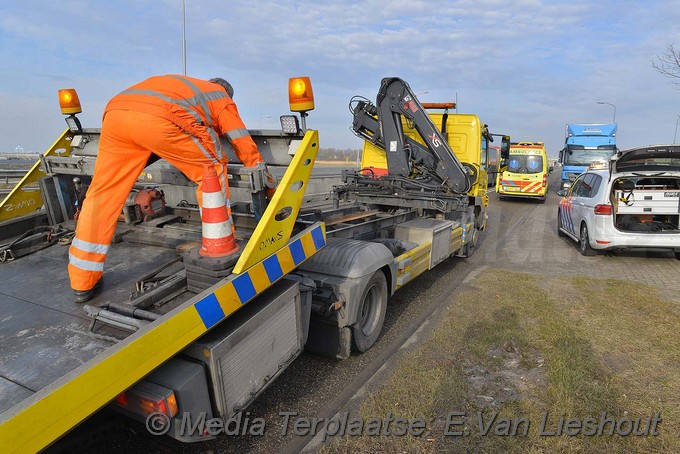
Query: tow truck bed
point(45, 335)
point(54, 373)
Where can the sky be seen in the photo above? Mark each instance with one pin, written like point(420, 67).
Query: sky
point(525, 67)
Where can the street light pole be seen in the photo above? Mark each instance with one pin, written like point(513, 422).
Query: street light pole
point(676, 128)
point(184, 38)
point(610, 104)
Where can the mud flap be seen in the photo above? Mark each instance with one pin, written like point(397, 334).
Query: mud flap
point(329, 340)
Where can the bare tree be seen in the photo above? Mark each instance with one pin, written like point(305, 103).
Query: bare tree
point(668, 63)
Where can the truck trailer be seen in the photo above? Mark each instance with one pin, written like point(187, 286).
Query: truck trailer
point(175, 335)
point(585, 144)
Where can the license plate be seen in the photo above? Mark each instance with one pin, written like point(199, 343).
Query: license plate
point(512, 188)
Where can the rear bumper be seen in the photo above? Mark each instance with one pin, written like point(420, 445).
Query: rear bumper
point(519, 186)
point(615, 239)
point(638, 243)
point(533, 195)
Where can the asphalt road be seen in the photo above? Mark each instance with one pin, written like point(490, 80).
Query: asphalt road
point(521, 236)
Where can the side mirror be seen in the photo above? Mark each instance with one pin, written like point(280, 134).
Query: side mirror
point(550, 169)
point(505, 147)
point(562, 193)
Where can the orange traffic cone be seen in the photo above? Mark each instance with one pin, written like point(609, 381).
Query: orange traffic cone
point(218, 232)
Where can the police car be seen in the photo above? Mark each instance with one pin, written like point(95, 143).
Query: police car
point(633, 203)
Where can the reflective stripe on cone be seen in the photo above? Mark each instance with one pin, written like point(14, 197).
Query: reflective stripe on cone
point(217, 232)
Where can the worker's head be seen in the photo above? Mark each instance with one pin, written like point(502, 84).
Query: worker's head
point(224, 84)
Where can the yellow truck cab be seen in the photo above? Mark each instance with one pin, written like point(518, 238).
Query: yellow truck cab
point(525, 174)
point(469, 139)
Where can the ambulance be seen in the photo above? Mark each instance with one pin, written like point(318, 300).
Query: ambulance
point(525, 173)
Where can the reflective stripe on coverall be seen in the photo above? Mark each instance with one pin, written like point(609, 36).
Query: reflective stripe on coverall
point(179, 119)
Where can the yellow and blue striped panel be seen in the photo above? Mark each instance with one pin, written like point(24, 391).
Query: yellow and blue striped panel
point(61, 405)
point(231, 296)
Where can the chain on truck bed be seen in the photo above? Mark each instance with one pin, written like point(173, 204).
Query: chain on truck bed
point(32, 241)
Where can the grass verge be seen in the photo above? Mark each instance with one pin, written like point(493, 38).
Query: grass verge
point(520, 355)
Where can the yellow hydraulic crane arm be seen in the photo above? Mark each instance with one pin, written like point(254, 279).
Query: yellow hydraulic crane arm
point(21, 201)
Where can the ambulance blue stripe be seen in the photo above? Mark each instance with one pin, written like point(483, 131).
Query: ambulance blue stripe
point(273, 268)
point(318, 238)
point(244, 288)
point(209, 310)
point(298, 252)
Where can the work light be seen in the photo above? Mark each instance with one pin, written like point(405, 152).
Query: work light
point(289, 124)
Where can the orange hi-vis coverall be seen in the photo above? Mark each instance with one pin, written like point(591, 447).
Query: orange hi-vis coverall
point(176, 117)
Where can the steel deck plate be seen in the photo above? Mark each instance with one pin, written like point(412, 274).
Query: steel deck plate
point(45, 335)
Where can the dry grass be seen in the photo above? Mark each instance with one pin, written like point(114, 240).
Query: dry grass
point(520, 346)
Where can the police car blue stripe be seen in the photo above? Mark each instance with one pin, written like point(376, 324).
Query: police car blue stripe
point(570, 220)
point(209, 310)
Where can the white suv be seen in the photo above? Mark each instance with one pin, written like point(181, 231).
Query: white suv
point(633, 204)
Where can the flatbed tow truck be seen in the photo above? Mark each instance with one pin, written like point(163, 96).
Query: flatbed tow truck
point(172, 336)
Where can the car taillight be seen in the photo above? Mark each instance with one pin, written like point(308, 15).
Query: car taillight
point(603, 209)
point(545, 180)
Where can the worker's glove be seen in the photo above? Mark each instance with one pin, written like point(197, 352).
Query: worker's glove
point(270, 183)
point(262, 197)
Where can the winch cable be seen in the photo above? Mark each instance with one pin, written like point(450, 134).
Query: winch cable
point(32, 241)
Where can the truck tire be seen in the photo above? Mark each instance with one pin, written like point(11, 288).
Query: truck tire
point(471, 246)
point(584, 243)
point(479, 219)
point(371, 316)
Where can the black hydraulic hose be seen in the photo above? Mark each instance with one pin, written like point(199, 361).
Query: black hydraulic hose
point(132, 311)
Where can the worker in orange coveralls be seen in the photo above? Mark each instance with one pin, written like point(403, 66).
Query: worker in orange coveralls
point(179, 119)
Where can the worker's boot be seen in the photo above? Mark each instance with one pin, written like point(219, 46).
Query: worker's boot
point(82, 296)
